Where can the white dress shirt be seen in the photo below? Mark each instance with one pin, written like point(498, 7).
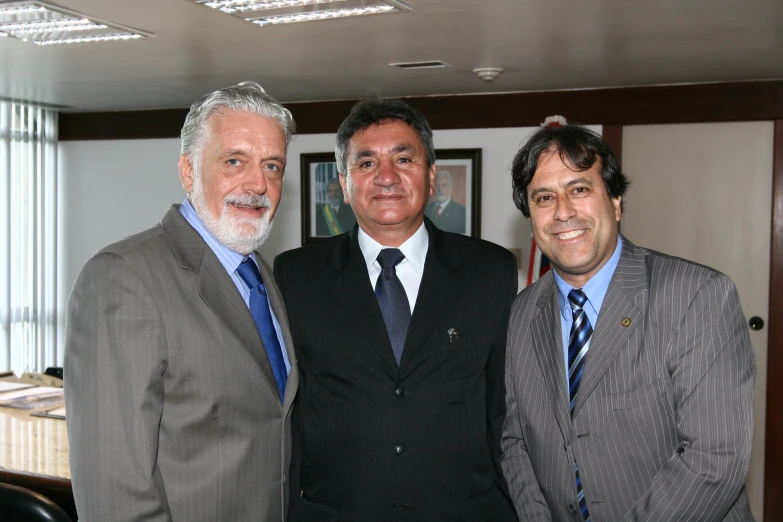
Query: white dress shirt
point(410, 269)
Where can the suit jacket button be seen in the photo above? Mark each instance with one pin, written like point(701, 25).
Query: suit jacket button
point(399, 450)
point(400, 392)
point(572, 509)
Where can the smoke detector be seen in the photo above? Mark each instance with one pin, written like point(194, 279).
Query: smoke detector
point(488, 73)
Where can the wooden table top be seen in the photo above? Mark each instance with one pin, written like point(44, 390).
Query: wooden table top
point(33, 445)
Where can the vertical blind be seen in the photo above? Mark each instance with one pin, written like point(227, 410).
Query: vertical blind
point(28, 237)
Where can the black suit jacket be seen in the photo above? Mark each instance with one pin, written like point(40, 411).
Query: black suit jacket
point(416, 443)
point(452, 219)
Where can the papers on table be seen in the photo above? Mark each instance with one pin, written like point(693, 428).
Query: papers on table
point(32, 397)
point(6, 386)
point(57, 413)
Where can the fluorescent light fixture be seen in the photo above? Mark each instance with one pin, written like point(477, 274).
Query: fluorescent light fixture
point(323, 15)
point(243, 6)
point(81, 39)
point(276, 12)
point(46, 24)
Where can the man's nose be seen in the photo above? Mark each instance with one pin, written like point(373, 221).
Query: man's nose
point(387, 174)
point(256, 180)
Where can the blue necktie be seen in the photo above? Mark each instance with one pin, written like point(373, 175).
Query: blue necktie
point(259, 309)
point(578, 341)
point(393, 301)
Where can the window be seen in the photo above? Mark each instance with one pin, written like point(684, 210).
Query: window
point(28, 237)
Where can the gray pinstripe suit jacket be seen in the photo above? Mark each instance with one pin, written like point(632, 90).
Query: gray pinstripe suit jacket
point(663, 421)
point(173, 411)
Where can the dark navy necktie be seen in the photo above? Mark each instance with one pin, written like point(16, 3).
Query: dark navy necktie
point(392, 300)
point(578, 342)
point(259, 309)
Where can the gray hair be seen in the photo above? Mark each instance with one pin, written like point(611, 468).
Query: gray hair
point(245, 97)
point(375, 110)
point(445, 174)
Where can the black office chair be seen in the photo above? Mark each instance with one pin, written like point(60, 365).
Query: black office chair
point(22, 505)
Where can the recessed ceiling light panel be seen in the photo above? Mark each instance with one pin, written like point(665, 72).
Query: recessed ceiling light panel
point(275, 12)
point(45, 24)
point(246, 6)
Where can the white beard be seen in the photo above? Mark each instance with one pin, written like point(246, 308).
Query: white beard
point(227, 228)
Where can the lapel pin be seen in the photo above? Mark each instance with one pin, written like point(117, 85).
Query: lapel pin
point(626, 322)
point(452, 335)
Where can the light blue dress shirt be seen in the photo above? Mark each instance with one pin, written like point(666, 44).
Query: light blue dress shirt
point(595, 290)
point(230, 261)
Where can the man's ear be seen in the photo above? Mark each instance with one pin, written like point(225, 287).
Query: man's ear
point(432, 180)
point(186, 173)
point(344, 186)
point(618, 208)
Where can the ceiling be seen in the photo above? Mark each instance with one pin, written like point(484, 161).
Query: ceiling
point(541, 44)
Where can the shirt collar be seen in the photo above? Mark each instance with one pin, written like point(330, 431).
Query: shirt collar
point(227, 257)
point(595, 289)
point(414, 248)
point(443, 205)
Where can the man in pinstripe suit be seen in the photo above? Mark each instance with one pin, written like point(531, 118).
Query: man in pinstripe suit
point(178, 398)
point(629, 373)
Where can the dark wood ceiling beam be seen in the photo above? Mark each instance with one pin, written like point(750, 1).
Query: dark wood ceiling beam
point(742, 101)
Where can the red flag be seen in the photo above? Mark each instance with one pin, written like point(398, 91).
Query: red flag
point(539, 263)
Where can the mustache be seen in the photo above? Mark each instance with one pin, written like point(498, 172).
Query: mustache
point(248, 200)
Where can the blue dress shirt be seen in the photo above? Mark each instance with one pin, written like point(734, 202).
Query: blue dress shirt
point(595, 290)
point(230, 261)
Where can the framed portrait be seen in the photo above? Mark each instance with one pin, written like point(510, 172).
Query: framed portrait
point(324, 211)
point(455, 205)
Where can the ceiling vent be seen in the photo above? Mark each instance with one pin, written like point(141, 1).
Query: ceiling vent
point(432, 64)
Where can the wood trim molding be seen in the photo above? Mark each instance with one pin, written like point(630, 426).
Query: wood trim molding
point(739, 101)
point(613, 135)
point(773, 454)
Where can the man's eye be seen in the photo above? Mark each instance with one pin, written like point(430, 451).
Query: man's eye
point(366, 164)
point(233, 162)
point(272, 166)
point(543, 199)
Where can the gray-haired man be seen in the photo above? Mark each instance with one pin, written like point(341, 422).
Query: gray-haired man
point(180, 370)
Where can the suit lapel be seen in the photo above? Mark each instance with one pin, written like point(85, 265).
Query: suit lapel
point(352, 290)
point(623, 303)
point(546, 330)
point(216, 288)
point(441, 282)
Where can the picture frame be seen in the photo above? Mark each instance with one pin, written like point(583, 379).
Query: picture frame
point(319, 182)
point(323, 217)
point(462, 212)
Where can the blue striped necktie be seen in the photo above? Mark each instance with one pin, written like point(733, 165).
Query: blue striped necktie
point(259, 309)
point(578, 342)
point(393, 300)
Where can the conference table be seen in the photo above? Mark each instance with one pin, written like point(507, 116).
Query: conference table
point(34, 454)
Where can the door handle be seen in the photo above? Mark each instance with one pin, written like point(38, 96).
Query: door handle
point(756, 323)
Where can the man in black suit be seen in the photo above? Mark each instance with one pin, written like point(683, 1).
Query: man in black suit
point(446, 213)
point(399, 413)
point(336, 216)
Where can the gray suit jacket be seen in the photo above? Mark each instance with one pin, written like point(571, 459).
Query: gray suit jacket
point(663, 421)
point(173, 411)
